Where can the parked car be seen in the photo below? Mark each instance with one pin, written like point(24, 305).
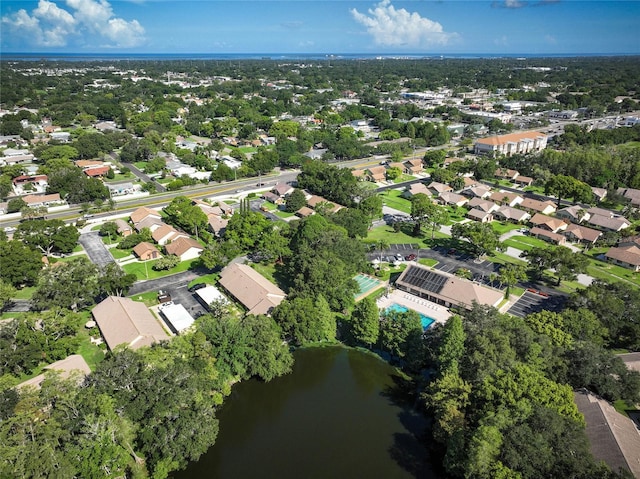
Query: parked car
point(411, 257)
point(399, 257)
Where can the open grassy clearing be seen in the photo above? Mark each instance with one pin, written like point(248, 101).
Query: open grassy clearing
point(502, 227)
point(526, 243)
point(393, 199)
point(144, 270)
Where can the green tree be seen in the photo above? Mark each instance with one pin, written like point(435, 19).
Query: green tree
point(166, 262)
point(481, 237)
point(295, 201)
point(7, 292)
point(510, 274)
point(48, 235)
point(564, 186)
point(182, 213)
point(20, 264)
point(451, 348)
point(72, 285)
point(365, 322)
point(400, 331)
point(421, 208)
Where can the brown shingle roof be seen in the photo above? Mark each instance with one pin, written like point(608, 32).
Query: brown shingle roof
point(626, 254)
point(253, 290)
point(582, 233)
point(142, 212)
point(182, 245)
point(66, 367)
point(612, 436)
point(124, 321)
point(143, 248)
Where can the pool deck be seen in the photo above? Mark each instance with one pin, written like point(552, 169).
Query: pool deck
point(438, 313)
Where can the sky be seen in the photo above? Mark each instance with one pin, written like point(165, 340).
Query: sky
point(416, 27)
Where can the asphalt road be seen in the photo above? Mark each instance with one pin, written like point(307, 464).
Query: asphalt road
point(95, 248)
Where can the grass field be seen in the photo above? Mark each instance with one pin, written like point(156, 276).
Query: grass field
point(145, 270)
point(120, 253)
point(526, 243)
point(393, 199)
point(502, 227)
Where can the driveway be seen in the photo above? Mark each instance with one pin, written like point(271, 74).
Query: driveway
point(176, 286)
point(95, 248)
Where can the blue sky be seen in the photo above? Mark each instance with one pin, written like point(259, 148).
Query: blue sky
point(325, 26)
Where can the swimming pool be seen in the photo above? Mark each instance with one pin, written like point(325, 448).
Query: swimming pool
point(425, 320)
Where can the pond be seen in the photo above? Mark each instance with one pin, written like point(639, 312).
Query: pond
point(336, 415)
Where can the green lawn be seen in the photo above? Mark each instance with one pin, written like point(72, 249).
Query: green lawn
point(276, 211)
point(502, 258)
point(402, 178)
point(25, 293)
point(526, 243)
point(388, 235)
point(145, 270)
point(456, 214)
point(393, 199)
point(120, 253)
point(612, 273)
point(211, 279)
point(502, 227)
point(428, 261)
point(91, 353)
point(149, 299)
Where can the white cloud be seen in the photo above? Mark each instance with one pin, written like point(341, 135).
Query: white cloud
point(399, 28)
point(502, 41)
point(90, 22)
point(509, 4)
point(550, 39)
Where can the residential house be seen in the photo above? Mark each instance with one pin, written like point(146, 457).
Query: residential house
point(609, 223)
point(445, 289)
point(217, 224)
point(480, 215)
point(36, 201)
point(416, 188)
point(177, 317)
point(449, 198)
point(523, 180)
point(84, 164)
point(359, 174)
point(599, 193)
point(146, 251)
point(166, 233)
point(506, 198)
point(581, 234)
point(480, 191)
point(613, 437)
point(511, 144)
point(437, 188)
point(124, 321)
point(573, 213)
point(547, 235)
point(150, 222)
point(631, 194)
point(625, 256)
point(97, 172)
point(282, 189)
point(314, 201)
point(272, 197)
point(124, 228)
point(631, 360)
point(30, 183)
point(225, 208)
point(67, 367)
point(594, 210)
point(507, 174)
point(413, 167)
point(143, 212)
point(397, 165)
point(377, 173)
point(548, 223)
point(483, 205)
point(507, 213)
point(304, 212)
point(469, 182)
point(184, 248)
point(544, 207)
point(255, 292)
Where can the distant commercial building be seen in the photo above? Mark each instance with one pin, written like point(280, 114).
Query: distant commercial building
point(511, 144)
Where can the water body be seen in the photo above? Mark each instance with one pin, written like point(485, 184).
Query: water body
point(336, 415)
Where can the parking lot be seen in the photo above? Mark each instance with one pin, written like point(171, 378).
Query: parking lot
point(176, 286)
point(534, 302)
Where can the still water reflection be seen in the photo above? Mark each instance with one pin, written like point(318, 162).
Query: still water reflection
point(334, 416)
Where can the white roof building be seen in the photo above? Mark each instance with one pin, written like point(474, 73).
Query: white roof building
point(209, 294)
point(178, 318)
